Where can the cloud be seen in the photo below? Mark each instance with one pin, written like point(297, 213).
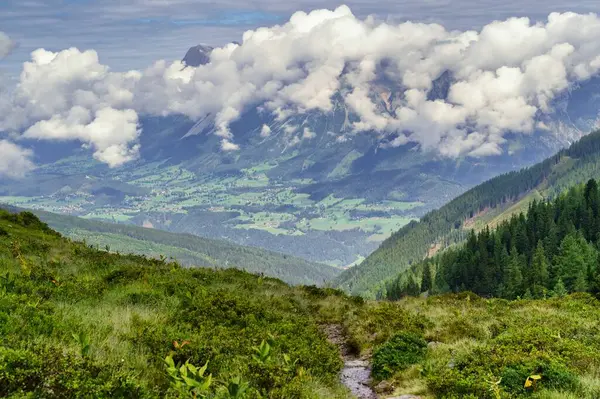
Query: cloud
point(15, 161)
point(308, 134)
point(265, 131)
point(6, 45)
point(500, 79)
point(69, 95)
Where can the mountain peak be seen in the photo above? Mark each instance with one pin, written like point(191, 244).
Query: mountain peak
point(198, 55)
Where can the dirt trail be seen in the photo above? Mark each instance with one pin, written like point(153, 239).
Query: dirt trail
point(356, 374)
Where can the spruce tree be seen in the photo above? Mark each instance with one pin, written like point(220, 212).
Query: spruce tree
point(539, 272)
point(580, 284)
point(513, 281)
point(559, 289)
point(426, 278)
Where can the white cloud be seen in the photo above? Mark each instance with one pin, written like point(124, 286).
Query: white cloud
point(308, 134)
point(502, 78)
point(15, 161)
point(227, 145)
point(265, 131)
point(69, 95)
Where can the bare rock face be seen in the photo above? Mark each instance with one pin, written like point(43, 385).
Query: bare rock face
point(198, 55)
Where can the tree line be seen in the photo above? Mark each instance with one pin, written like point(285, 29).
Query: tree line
point(552, 249)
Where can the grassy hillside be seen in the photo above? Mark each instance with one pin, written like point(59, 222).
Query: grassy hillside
point(189, 250)
point(498, 197)
point(76, 322)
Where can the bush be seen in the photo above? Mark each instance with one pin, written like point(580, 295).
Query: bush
point(400, 352)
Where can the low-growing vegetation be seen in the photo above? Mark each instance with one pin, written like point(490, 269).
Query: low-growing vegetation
point(77, 322)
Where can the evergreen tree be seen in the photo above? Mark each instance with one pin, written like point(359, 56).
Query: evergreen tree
point(554, 246)
point(559, 289)
point(539, 272)
point(580, 284)
point(426, 278)
point(513, 281)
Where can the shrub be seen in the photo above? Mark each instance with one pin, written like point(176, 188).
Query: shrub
point(401, 351)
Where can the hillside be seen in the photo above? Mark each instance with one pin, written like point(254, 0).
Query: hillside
point(189, 250)
point(489, 202)
point(550, 249)
point(77, 322)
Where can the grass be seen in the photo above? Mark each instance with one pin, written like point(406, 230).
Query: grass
point(132, 309)
point(129, 312)
point(480, 340)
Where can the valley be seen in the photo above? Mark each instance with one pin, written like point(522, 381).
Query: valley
point(234, 205)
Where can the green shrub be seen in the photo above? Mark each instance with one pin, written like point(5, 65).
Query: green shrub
point(401, 351)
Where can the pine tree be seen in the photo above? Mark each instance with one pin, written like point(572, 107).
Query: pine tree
point(513, 281)
point(539, 272)
point(426, 278)
point(580, 284)
point(559, 289)
point(411, 288)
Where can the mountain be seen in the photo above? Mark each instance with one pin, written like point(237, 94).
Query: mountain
point(198, 55)
point(188, 249)
point(485, 205)
point(303, 184)
point(78, 322)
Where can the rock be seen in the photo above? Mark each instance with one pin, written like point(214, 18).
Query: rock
point(433, 344)
point(384, 387)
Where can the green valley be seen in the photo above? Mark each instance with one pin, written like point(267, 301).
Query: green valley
point(189, 250)
point(232, 205)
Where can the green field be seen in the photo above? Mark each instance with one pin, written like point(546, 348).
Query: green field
point(264, 205)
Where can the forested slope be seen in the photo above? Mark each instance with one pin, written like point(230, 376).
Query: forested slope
point(446, 226)
point(188, 249)
point(550, 250)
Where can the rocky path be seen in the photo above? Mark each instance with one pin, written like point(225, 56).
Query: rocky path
point(356, 374)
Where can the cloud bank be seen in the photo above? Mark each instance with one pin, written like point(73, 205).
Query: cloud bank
point(500, 79)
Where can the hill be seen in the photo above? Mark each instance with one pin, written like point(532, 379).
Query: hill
point(550, 249)
point(77, 322)
point(189, 250)
point(488, 203)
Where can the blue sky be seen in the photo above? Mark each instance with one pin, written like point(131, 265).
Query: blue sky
point(130, 34)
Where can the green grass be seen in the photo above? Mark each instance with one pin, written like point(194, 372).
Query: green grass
point(343, 167)
point(132, 310)
point(79, 322)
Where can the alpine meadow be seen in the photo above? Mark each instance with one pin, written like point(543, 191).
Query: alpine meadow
point(268, 200)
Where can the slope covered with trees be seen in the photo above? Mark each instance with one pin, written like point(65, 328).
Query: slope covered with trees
point(550, 250)
point(189, 250)
point(446, 226)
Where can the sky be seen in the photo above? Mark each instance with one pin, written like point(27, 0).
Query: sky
point(131, 34)
point(89, 71)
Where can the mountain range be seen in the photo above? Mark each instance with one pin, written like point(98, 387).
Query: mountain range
point(329, 196)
